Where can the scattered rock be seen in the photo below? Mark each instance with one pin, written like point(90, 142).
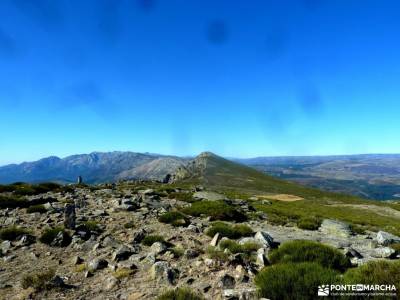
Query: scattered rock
point(385, 238)
point(5, 246)
point(110, 283)
point(158, 247)
point(240, 294)
point(122, 253)
point(191, 253)
point(61, 240)
point(207, 195)
point(138, 236)
point(227, 282)
point(260, 261)
point(265, 239)
point(97, 264)
point(383, 252)
point(161, 271)
point(215, 240)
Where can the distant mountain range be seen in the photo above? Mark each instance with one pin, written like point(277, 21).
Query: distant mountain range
point(95, 167)
point(374, 176)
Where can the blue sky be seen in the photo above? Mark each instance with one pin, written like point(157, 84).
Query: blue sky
point(240, 78)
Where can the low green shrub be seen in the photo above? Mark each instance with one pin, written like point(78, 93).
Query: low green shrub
point(234, 247)
point(12, 202)
point(121, 273)
point(180, 294)
point(289, 281)
point(309, 251)
point(151, 239)
point(309, 223)
point(217, 254)
point(38, 280)
point(49, 234)
point(129, 224)
point(11, 233)
point(216, 210)
point(229, 230)
point(177, 251)
point(375, 272)
point(92, 226)
point(174, 218)
point(181, 196)
point(275, 219)
point(39, 208)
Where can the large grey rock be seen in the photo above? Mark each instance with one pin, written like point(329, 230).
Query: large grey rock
point(385, 238)
point(122, 253)
point(335, 228)
point(265, 239)
point(69, 216)
point(5, 246)
point(138, 236)
point(158, 247)
point(227, 281)
point(215, 240)
point(207, 195)
point(97, 264)
point(261, 257)
point(161, 271)
point(383, 252)
point(110, 283)
point(62, 239)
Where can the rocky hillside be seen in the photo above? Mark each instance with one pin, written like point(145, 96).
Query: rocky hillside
point(137, 240)
point(94, 168)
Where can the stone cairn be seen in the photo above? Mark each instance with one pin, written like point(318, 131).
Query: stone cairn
point(69, 216)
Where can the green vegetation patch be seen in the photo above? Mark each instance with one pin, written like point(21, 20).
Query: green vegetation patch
point(180, 294)
point(12, 233)
point(174, 218)
point(49, 234)
point(309, 223)
point(12, 202)
point(375, 272)
point(216, 210)
point(151, 239)
point(229, 230)
point(293, 280)
point(92, 226)
point(246, 250)
point(309, 251)
point(182, 196)
point(38, 280)
point(39, 208)
point(216, 254)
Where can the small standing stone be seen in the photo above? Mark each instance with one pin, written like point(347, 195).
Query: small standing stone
point(69, 216)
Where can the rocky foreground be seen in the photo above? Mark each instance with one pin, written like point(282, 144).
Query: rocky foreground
point(108, 242)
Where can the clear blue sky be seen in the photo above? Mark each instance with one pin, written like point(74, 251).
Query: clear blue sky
point(240, 78)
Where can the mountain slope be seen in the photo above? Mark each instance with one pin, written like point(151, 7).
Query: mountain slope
point(94, 167)
point(216, 172)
